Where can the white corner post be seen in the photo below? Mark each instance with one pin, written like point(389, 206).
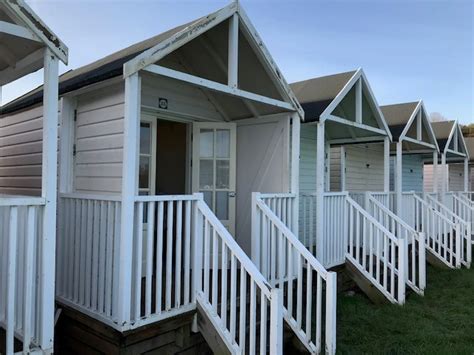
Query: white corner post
point(320, 190)
point(295, 168)
point(358, 101)
point(66, 129)
point(131, 141)
point(48, 192)
point(255, 230)
point(466, 174)
point(343, 168)
point(386, 164)
point(327, 166)
point(435, 172)
point(276, 321)
point(331, 311)
point(444, 177)
point(233, 55)
point(398, 177)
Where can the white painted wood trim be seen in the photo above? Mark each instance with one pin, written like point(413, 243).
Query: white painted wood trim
point(48, 192)
point(66, 134)
point(343, 168)
point(398, 177)
point(419, 142)
point(215, 86)
point(358, 101)
point(410, 121)
point(295, 168)
point(129, 190)
point(356, 140)
point(466, 174)
point(320, 146)
point(435, 171)
point(22, 67)
point(386, 165)
point(18, 31)
point(233, 52)
point(355, 124)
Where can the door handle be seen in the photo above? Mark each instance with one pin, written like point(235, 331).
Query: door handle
point(232, 193)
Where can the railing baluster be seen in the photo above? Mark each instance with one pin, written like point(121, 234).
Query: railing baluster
point(169, 251)
point(149, 255)
point(178, 251)
point(159, 258)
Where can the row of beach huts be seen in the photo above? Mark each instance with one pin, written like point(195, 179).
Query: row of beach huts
point(181, 196)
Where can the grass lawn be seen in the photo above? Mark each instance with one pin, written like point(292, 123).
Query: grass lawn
point(441, 322)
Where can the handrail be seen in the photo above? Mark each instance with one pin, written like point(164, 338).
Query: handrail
point(293, 240)
point(284, 261)
point(21, 201)
point(445, 209)
point(92, 197)
point(391, 214)
point(232, 244)
point(416, 274)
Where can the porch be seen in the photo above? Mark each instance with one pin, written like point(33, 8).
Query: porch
point(27, 224)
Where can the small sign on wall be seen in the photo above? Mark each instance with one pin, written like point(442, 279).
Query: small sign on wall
point(163, 103)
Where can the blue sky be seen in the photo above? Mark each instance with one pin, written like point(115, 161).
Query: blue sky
point(410, 50)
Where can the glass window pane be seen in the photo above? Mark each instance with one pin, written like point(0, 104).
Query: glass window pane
point(222, 205)
point(222, 143)
point(206, 176)
point(222, 174)
point(208, 198)
point(144, 172)
point(145, 141)
point(206, 143)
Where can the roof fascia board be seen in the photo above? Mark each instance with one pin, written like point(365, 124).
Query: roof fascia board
point(18, 31)
point(23, 12)
point(187, 34)
point(416, 141)
point(356, 140)
point(268, 63)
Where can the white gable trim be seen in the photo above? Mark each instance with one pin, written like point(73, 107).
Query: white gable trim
point(154, 54)
point(456, 133)
point(23, 13)
point(358, 75)
point(420, 109)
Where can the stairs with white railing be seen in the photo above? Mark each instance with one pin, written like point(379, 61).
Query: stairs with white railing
point(309, 290)
point(459, 238)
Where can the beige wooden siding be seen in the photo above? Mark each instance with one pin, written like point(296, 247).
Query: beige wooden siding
point(99, 141)
point(335, 166)
point(21, 137)
point(364, 167)
point(456, 177)
point(307, 183)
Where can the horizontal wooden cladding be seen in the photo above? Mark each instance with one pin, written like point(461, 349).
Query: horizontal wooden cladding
point(99, 140)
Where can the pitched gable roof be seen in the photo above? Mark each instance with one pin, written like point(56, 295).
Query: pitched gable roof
point(442, 131)
point(316, 94)
point(397, 116)
point(470, 147)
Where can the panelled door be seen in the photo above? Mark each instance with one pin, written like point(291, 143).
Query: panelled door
point(214, 168)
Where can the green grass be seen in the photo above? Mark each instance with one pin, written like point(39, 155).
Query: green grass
point(441, 322)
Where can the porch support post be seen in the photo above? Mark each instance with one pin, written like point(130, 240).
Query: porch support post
point(358, 101)
point(444, 177)
point(466, 174)
point(435, 171)
point(233, 55)
point(320, 190)
point(327, 166)
point(48, 192)
point(295, 168)
point(386, 164)
point(343, 168)
point(131, 136)
point(398, 178)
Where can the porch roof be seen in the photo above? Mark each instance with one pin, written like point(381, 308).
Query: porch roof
point(204, 63)
point(23, 39)
point(410, 124)
point(450, 139)
point(346, 103)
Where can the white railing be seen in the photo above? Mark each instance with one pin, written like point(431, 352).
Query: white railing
point(283, 206)
point(416, 258)
point(334, 238)
point(173, 237)
point(385, 198)
point(243, 307)
point(87, 254)
point(290, 266)
point(162, 257)
point(443, 236)
point(464, 229)
point(464, 208)
point(21, 277)
point(376, 252)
